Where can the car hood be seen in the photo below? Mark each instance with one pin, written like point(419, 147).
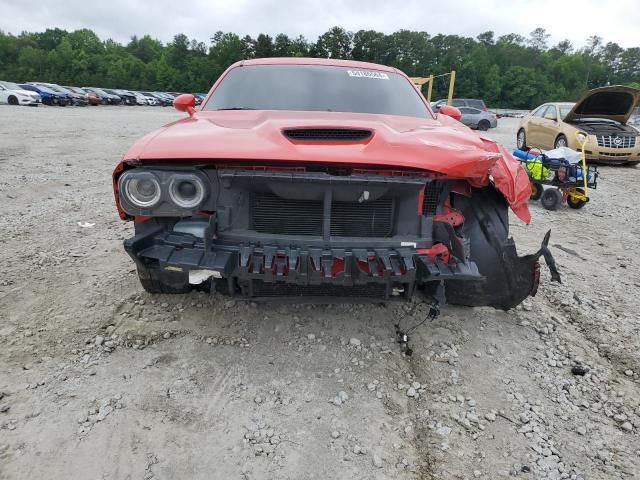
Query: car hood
point(614, 103)
point(441, 145)
point(27, 92)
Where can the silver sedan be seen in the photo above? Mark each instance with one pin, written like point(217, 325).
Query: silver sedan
point(478, 119)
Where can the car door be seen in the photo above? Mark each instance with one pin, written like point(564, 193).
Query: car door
point(533, 126)
point(468, 116)
point(4, 95)
point(549, 127)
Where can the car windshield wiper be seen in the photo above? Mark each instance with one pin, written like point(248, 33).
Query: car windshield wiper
point(235, 108)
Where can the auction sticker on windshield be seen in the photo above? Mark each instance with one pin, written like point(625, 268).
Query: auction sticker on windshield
point(368, 74)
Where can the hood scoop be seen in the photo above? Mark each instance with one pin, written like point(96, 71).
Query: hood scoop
point(327, 134)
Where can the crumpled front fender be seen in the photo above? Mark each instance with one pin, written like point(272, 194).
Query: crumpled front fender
point(509, 278)
point(511, 180)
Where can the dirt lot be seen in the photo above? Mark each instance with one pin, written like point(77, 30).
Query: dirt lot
point(100, 380)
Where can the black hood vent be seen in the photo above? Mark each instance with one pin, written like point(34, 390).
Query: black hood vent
point(327, 134)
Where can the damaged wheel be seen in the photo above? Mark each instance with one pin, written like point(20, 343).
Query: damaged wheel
point(551, 198)
point(156, 280)
point(509, 279)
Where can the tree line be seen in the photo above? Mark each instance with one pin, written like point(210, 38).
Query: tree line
point(506, 71)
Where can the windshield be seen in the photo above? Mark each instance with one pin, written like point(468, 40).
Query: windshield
point(11, 86)
point(59, 89)
point(45, 89)
point(317, 88)
point(565, 109)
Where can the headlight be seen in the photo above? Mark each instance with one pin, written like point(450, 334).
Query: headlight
point(142, 188)
point(186, 191)
point(163, 193)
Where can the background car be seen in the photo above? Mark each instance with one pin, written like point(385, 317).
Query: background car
point(49, 97)
point(164, 99)
point(12, 94)
point(601, 115)
point(635, 118)
point(478, 119)
point(106, 98)
point(92, 98)
point(151, 99)
point(78, 99)
point(460, 102)
point(126, 97)
point(140, 99)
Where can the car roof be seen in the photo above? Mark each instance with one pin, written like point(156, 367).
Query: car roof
point(315, 61)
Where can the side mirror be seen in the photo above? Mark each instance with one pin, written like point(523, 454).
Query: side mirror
point(450, 111)
point(185, 103)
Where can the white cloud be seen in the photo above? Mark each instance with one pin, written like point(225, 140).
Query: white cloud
point(200, 19)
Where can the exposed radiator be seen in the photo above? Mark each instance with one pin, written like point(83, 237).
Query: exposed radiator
point(275, 215)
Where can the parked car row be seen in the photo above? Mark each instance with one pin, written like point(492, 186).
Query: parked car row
point(36, 93)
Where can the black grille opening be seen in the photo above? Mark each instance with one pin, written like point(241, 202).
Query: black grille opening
point(366, 219)
point(281, 216)
point(432, 194)
point(290, 290)
point(332, 134)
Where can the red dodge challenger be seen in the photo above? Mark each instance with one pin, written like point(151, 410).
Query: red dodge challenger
point(325, 179)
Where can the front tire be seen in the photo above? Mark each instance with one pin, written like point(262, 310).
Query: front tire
point(156, 280)
point(521, 139)
point(561, 141)
point(484, 125)
point(508, 278)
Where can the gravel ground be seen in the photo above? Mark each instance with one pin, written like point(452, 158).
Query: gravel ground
point(101, 380)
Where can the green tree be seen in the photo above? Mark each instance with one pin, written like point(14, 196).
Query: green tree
point(510, 70)
point(336, 43)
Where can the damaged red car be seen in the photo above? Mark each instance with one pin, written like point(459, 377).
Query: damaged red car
point(328, 180)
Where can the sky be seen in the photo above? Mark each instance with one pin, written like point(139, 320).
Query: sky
point(575, 20)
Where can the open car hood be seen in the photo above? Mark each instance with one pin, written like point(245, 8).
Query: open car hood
point(613, 103)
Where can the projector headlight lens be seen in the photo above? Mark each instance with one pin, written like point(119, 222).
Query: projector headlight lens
point(141, 188)
point(186, 191)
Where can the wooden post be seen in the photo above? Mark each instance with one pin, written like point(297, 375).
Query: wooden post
point(429, 88)
point(452, 81)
